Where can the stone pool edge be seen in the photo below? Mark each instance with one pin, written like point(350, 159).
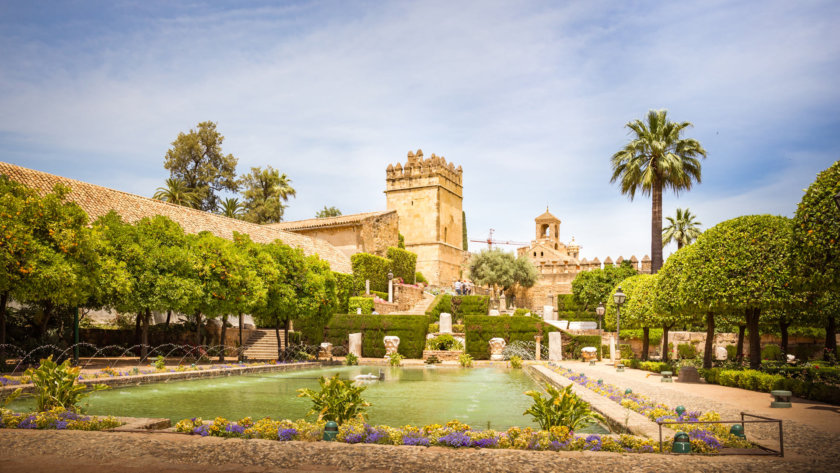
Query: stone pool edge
point(618, 418)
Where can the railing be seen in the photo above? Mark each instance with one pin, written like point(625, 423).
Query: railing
point(764, 420)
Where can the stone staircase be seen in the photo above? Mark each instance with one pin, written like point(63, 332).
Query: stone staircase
point(262, 345)
point(420, 307)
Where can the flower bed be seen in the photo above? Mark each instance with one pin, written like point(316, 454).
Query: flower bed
point(58, 418)
point(454, 434)
point(705, 438)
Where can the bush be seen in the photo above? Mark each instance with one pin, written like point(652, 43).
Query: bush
point(560, 408)
point(403, 264)
point(772, 352)
point(573, 344)
point(481, 328)
point(731, 352)
point(366, 304)
point(345, 287)
point(654, 335)
point(351, 360)
point(410, 328)
point(373, 268)
point(686, 351)
point(759, 381)
point(626, 351)
point(523, 312)
point(515, 362)
point(380, 294)
point(444, 342)
point(395, 359)
point(338, 400)
point(419, 278)
point(467, 305)
point(566, 302)
point(465, 360)
point(57, 386)
point(456, 328)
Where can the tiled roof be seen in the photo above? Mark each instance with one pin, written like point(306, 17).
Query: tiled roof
point(546, 217)
point(328, 221)
point(98, 201)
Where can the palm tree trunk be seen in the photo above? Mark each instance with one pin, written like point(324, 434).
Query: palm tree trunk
point(656, 228)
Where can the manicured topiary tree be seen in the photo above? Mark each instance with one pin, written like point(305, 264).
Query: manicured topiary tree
point(671, 302)
point(637, 309)
point(814, 247)
point(590, 288)
point(741, 264)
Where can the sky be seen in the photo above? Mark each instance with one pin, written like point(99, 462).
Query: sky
point(531, 98)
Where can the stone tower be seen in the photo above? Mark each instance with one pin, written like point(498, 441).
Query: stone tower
point(427, 195)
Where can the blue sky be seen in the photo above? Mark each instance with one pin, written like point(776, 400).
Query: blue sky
point(530, 98)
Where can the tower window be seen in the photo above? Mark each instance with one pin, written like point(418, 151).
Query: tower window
point(541, 253)
point(535, 254)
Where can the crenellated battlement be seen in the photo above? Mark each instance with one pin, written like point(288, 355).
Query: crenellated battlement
point(419, 171)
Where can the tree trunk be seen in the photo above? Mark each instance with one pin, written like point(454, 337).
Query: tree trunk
point(755, 338)
point(739, 349)
point(138, 321)
point(168, 318)
point(279, 344)
point(144, 341)
point(241, 346)
point(198, 329)
point(4, 299)
point(665, 353)
point(830, 334)
point(222, 342)
point(286, 331)
point(783, 328)
point(48, 310)
point(656, 228)
point(679, 244)
point(645, 343)
point(708, 352)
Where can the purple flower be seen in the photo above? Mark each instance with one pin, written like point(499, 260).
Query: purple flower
point(486, 443)
point(417, 441)
point(234, 429)
point(202, 430)
point(353, 438)
point(28, 423)
point(287, 434)
point(375, 435)
point(707, 437)
point(61, 424)
point(455, 439)
point(593, 443)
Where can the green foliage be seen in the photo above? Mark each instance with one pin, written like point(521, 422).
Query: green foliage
point(365, 303)
point(654, 366)
point(57, 385)
point(403, 264)
point(444, 342)
point(410, 328)
point(382, 295)
point(567, 302)
point(686, 351)
point(456, 328)
point(265, 192)
point(772, 352)
point(500, 268)
point(467, 305)
point(338, 400)
point(636, 312)
point(160, 362)
point(231, 207)
point(481, 328)
point(560, 408)
point(345, 288)
point(431, 360)
point(465, 244)
point(465, 360)
point(177, 192)
point(351, 360)
point(373, 268)
point(589, 288)
point(521, 312)
point(759, 381)
point(394, 359)
point(626, 351)
point(572, 344)
point(515, 362)
point(196, 159)
point(328, 212)
point(400, 241)
point(682, 229)
point(419, 278)
point(731, 352)
point(654, 335)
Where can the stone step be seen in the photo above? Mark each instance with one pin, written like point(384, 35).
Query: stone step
point(262, 345)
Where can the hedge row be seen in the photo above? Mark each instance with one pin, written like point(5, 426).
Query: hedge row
point(654, 366)
point(365, 303)
point(566, 302)
point(759, 381)
point(345, 287)
point(410, 328)
point(814, 373)
point(576, 316)
point(481, 328)
point(403, 264)
point(572, 344)
point(467, 305)
point(373, 268)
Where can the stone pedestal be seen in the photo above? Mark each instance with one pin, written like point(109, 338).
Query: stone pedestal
point(391, 291)
point(326, 350)
point(355, 344)
point(688, 374)
point(358, 311)
point(502, 303)
point(497, 345)
point(720, 353)
point(538, 353)
point(493, 312)
point(445, 323)
point(548, 313)
point(589, 353)
point(392, 342)
point(367, 287)
point(612, 348)
point(555, 346)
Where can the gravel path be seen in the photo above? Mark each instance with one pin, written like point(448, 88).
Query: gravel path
point(812, 430)
point(67, 451)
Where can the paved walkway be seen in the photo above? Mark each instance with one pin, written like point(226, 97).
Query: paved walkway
point(811, 429)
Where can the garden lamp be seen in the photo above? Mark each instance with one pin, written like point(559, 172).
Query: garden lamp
point(600, 310)
point(390, 275)
point(619, 297)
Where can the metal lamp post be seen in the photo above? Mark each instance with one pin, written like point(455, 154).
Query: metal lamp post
point(619, 297)
point(390, 286)
point(600, 310)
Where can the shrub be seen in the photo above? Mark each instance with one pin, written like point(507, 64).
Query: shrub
point(481, 328)
point(561, 408)
point(395, 359)
point(444, 342)
point(410, 328)
point(465, 360)
point(521, 312)
point(338, 400)
point(573, 344)
point(403, 264)
point(373, 268)
point(345, 287)
point(160, 362)
point(380, 294)
point(365, 303)
point(731, 352)
point(626, 351)
point(686, 351)
point(515, 362)
point(466, 305)
point(419, 278)
point(654, 335)
point(566, 302)
point(758, 381)
point(351, 360)
point(772, 352)
point(57, 386)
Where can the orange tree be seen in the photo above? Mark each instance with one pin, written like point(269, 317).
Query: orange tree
point(672, 304)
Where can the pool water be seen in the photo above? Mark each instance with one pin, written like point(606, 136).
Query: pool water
point(481, 397)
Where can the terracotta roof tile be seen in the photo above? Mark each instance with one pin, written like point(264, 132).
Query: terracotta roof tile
point(98, 201)
point(328, 221)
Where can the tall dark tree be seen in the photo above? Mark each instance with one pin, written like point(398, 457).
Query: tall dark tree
point(176, 192)
point(328, 212)
point(196, 158)
point(657, 158)
point(265, 192)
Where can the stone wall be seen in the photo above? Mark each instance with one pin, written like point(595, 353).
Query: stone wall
point(125, 337)
point(367, 234)
point(698, 339)
point(380, 232)
point(407, 296)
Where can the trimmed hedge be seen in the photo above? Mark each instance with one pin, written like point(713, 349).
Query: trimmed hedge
point(576, 316)
point(456, 328)
point(481, 328)
point(654, 366)
point(345, 287)
point(410, 328)
point(382, 295)
point(574, 343)
point(758, 381)
point(403, 263)
point(373, 268)
point(366, 303)
point(566, 302)
point(470, 305)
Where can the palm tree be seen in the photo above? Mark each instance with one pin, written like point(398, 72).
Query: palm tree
point(177, 192)
point(231, 207)
point(683, 229)
point(656, 158)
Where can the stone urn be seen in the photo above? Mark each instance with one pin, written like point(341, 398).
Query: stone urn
point(497, 345)
point(326, 350)
point(589, 353)
point(392, 342)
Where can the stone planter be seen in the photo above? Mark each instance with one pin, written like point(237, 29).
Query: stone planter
point(443, 355)
point(497, 345)
point(392, 342)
